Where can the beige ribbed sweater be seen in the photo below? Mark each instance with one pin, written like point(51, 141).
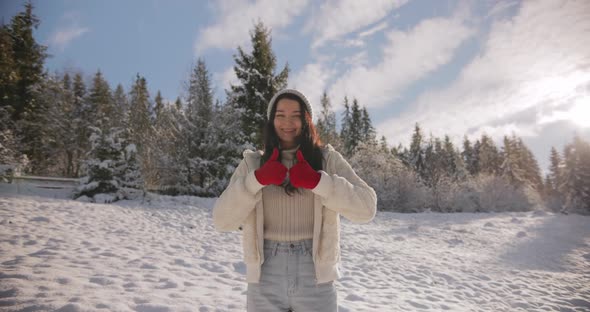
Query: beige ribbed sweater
point(287, 218)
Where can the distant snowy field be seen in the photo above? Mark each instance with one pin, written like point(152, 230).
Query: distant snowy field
point(164, 255)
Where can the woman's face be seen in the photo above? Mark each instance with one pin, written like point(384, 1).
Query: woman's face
point(287, 122)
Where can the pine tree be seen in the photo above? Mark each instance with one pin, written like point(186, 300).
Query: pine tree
point(345, 131)
point(101, 168)
point(469, 157)
point(27, 57)
point(159, 105)
point(326, 124)
point(553, 197)
point(121, 106)
point(384, 145)
point(83, 118)
point(433, 171)
point(100, 103)
point(112, 168)
point(23, 72)
point(9, 75)
point(368, 131)
point(230, 143)
point(416, 153)
point(70, 132)
point(178, 104)
point(171, 150)
point(258, 83)
point(202, 169)
point(11, 160)
point(528, 163)
point(488, 159)
point(128, 174)
point(59, 141)
point(510, 168)
point(140, 130)
point(139, 120)
point(575, 185)
point(356, 126)
point(555, 172)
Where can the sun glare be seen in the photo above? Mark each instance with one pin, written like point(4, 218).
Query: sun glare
point(580, 113)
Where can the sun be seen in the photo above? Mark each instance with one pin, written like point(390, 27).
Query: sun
point(580, 113)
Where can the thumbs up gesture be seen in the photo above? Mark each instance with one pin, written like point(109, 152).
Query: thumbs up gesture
point(272, 172)
point(302, 174)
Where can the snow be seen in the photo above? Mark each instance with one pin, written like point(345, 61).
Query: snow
point(161, 253)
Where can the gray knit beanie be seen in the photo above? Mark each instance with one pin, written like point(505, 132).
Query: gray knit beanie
point(290, 91)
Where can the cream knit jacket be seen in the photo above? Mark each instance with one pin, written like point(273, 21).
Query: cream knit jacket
point(339, 192)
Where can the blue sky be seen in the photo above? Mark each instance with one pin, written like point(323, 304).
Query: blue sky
point(456, 67)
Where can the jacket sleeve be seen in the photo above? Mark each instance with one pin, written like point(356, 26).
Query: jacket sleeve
point(346, 193)
point(237, 200)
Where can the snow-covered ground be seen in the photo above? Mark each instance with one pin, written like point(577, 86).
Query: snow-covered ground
point(163, 254)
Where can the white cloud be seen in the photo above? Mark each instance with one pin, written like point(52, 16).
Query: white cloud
point(500, 7)
point(379, 27)
point(237, 17)
point(530, 67)
point(226, 78)
point(311, 80)
point(338, 18)
point(62, 37)
point(406, 58)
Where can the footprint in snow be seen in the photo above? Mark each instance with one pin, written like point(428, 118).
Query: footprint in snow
point(353, 297)
point(39, 219)
point(101, 281)
point(454, 242)
point(183, 263)
point(148, 266)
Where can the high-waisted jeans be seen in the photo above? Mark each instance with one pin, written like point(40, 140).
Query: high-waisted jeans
point(288, 283)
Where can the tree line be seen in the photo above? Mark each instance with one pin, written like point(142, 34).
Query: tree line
point(118, 141)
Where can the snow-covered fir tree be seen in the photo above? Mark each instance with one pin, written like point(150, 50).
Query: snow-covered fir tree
point(415, 158)
point(553, 197)
point(231, 142)
point(345, 131)
point(488, 157)
point(510, 168)
point(575, 184)
point(368, 132)
point(101, 104)
point(121, 106)
point(140, 129)
point(111, 167)
point(12, 161)
point(257, 83)
point(326, 124)
point(158, 106)
point(469, 157)
point(202, 168)
point(170, 150)
point(355, 127)
point(21, 73)
point(101, 166)
point(530, 166)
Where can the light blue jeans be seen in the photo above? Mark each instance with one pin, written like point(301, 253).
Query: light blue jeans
point(287, 281)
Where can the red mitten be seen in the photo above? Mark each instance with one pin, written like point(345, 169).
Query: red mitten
point(272, 172)
point(302, 174)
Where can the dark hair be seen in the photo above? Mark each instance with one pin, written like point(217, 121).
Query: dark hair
point(309, 140)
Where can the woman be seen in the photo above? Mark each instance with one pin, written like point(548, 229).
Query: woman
point(288, 201)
